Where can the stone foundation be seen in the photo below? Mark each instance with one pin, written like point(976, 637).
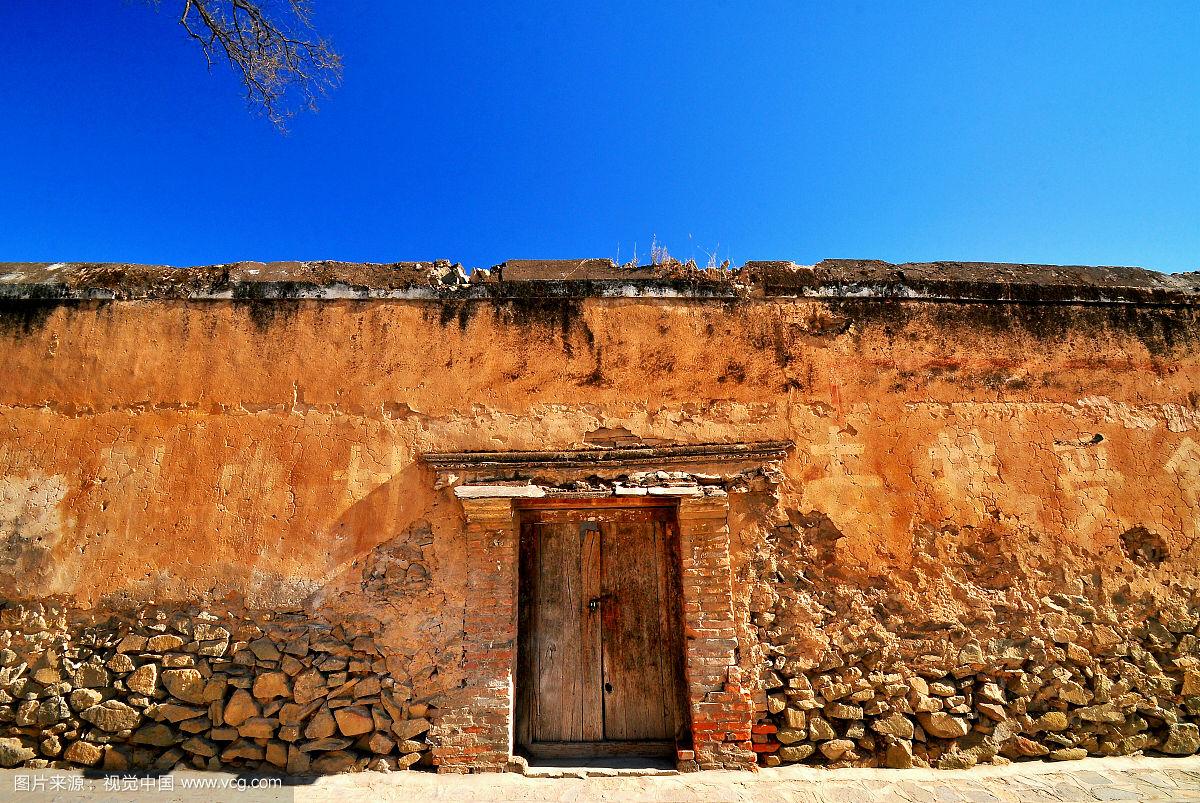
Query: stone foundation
point(256, 691)
point(981, 667)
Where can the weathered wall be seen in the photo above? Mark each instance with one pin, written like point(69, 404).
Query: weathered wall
point(988, 504)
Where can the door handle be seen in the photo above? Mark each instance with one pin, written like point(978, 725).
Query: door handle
point(594, 602)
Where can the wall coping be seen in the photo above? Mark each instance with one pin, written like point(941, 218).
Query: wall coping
point(597, 278)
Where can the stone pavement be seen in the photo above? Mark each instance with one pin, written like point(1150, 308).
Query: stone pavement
point(1129, 778)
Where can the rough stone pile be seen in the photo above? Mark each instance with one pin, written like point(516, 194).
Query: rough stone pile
point(1095, 684)
point(282, 693)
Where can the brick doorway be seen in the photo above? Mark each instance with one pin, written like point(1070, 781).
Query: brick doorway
point(600, 658)
point(482, 728)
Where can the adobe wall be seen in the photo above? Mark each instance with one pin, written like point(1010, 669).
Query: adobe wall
point(219, 543)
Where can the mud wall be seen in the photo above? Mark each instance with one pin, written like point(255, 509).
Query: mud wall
point(987, 503)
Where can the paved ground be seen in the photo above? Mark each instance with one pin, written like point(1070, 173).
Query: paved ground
point(1089, 780)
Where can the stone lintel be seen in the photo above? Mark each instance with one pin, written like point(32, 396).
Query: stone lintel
point(498, 492)
point(618, 458)
point(675, 490)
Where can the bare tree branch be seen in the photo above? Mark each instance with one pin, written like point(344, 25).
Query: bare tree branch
point(272, 46)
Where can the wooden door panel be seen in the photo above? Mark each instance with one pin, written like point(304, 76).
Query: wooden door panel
point(611, 677)
point(632, 638)
point(670, 628)
point(590, 673)
point(556, 646)
point(563, 639)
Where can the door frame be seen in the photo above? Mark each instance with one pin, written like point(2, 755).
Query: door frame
point(527, 513)
point(472, 729)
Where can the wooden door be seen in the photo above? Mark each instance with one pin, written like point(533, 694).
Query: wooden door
point(564, 656)
point(600, 667)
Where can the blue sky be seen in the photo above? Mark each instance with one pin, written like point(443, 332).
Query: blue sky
point(1005, 131)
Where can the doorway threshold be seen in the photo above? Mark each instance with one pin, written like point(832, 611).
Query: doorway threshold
point(606, 767)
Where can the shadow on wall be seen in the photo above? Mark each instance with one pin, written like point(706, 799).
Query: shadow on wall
point(400, 561)
point(387, 510)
